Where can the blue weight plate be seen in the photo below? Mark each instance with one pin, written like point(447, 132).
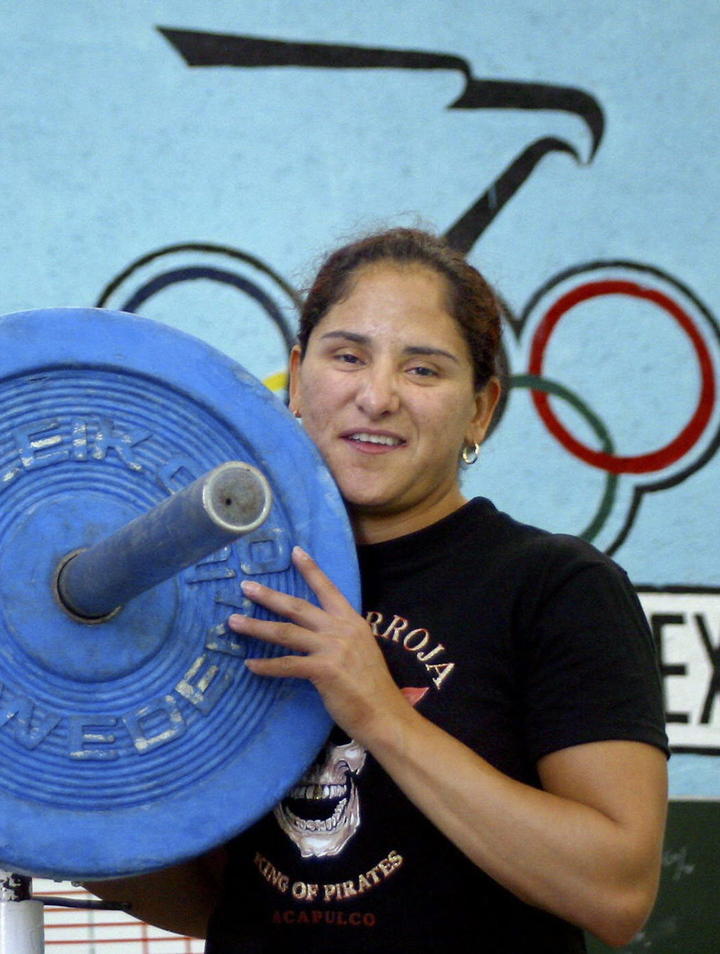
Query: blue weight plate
point(142, 741)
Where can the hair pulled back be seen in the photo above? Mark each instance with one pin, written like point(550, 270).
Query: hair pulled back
point(471, 301)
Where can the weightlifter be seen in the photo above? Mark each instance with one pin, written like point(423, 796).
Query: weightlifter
point(496, 780)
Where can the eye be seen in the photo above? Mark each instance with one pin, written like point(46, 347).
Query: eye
point(347, 357)
point(423, 371)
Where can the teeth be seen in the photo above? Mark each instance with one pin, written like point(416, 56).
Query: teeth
point(313, 792)
point(376, 439)
point(317, 824)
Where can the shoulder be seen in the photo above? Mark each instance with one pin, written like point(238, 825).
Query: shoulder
point(545, 576)
point(541, 552)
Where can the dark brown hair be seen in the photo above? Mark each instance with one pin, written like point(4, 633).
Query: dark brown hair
point(471, 301)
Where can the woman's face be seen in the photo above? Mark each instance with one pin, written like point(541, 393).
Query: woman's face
point(385, 390)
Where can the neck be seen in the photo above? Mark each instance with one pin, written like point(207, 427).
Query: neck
point(377, 527)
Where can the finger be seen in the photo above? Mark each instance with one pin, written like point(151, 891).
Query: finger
point(294, 608)
point(287, 635)
point(280, 667)
point(331, 598)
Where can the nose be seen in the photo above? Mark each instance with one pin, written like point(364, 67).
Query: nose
point(378, 393)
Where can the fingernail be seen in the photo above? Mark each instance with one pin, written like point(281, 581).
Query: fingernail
point(249, 586)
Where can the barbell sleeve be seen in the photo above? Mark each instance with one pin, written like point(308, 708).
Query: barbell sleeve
point(217, 508)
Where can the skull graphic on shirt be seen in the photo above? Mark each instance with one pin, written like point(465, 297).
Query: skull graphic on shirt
point(321, 813)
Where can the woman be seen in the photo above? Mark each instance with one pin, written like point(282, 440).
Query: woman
point(497, 778)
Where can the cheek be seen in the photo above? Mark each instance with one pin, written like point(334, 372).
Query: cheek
point(455, 419)
point(317, 411)
point(317, 402)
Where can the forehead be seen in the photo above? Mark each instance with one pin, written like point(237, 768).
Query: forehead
point(388, 301)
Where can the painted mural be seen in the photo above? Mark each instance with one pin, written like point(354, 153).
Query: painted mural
point(191, 163)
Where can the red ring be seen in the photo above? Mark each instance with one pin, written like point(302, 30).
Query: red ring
point(614, 463)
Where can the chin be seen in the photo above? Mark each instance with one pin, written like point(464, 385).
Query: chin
point(362, 501)
point(360, 504)
point(376, 506)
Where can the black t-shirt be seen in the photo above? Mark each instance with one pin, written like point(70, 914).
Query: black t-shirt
point(517, 642)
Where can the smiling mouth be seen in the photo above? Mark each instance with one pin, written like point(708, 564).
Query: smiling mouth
point(315, 807)
point(384, 440)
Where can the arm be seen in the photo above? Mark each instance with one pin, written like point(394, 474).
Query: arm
point(586, 848)
point(178, 899)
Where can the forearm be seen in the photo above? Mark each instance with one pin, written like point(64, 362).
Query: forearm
point(178, 899)
point(571, 858)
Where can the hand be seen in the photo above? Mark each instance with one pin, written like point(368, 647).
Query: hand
point(341, 656)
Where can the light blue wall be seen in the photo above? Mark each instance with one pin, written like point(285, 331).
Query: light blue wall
point(113, 148)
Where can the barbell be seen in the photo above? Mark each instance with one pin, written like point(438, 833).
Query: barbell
point(143, 476)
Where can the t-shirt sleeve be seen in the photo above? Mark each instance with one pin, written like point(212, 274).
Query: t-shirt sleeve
point(590, 668)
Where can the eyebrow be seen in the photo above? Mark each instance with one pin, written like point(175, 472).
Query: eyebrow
point(426, 350)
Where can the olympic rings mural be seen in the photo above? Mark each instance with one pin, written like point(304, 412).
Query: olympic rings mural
point(697, 438)
point(689, 450)
point(533, 334)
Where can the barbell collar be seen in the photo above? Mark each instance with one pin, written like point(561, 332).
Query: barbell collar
point(226, 503)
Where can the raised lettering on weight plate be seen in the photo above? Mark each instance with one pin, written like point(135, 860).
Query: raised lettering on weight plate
point(122, 442)
point(203, 684)
point(37, 451)
point(28, 724)
point(52, 441)
point(266, 550)
point(213, 567)
point(90, 738)
point(154, 724)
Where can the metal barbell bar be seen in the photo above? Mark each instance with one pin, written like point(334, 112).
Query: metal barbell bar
point(217, 508)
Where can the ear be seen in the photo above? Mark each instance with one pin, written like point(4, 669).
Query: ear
point(485, 404)
point(294, 381)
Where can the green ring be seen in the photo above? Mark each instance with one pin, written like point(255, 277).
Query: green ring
point(536, 383)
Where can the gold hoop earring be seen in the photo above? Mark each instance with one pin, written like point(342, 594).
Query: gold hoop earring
point(470, 454)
